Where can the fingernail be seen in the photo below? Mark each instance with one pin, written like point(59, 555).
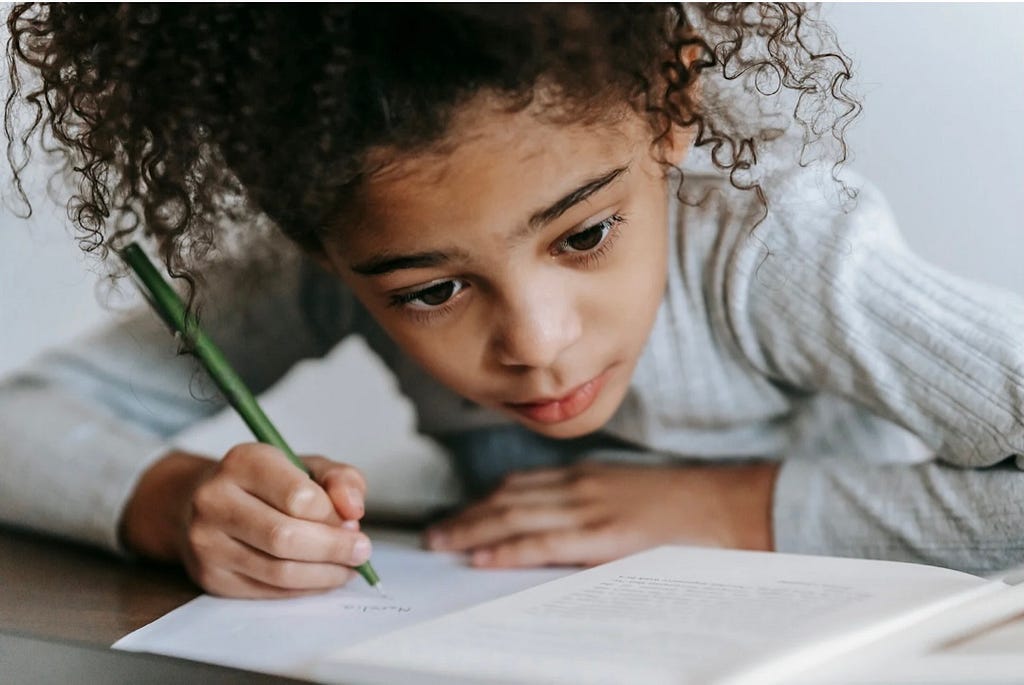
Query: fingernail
point(436, 539)
point(355, 498)
point(361, 551)
point(350, 524)
point(482, 557)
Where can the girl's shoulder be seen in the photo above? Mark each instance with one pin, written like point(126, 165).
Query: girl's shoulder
point(790, 209)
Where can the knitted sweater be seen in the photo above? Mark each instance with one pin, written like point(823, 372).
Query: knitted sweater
point(892, 393)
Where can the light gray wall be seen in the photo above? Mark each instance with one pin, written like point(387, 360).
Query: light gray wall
point(943, 127)
point(941, 134)
point(47, 286)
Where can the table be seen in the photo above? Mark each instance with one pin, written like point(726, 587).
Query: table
point(57, 589)
point(62, 605)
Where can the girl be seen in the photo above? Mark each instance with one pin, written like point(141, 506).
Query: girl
point(742, 354)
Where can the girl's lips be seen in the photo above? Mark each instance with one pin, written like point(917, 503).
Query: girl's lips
point(564, 408)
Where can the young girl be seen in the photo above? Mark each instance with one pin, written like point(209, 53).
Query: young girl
point(607, 241)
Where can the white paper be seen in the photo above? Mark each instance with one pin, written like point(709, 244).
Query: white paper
point(285, 636)
point(980, 641)
point(669, 615)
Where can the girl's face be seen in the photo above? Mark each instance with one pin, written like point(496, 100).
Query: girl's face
point(523, 267)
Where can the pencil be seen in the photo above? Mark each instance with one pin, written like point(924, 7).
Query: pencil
point(171, 309)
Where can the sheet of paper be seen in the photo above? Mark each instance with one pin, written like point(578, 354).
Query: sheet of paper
point(673, 614)
point(285, 636)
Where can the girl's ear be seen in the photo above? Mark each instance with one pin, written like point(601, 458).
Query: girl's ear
point(679, 141)
point(677, 144)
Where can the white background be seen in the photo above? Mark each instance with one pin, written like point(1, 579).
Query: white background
point(941, 134)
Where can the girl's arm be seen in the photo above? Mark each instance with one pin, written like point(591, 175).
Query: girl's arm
point(968, 519)
point(83, 423)
point(833, 302)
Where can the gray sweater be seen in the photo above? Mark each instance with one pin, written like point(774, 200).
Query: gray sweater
point(892, 392)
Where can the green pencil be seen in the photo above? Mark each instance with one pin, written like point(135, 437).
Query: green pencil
point(170, 307)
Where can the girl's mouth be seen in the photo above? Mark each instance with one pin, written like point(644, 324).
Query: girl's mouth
point(569, 406)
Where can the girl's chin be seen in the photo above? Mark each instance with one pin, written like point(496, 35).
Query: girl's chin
point(561, 432)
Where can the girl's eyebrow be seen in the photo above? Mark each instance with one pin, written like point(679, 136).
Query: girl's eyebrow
point(386, 263)
point(542, 217)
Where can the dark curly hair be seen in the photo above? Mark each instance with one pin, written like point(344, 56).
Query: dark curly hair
point(173, 118)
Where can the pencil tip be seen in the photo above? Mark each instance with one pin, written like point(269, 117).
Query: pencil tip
point(379, 587)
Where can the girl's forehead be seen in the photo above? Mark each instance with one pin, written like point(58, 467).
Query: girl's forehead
point(498, 159)
point(483, 182)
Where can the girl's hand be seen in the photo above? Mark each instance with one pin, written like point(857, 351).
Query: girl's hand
point(251, 525)
point(591, 513)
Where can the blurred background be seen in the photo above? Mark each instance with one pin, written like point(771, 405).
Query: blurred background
point(941, 134)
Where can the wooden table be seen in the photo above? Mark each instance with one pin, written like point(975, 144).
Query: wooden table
point(62, 605)
point(57, 589)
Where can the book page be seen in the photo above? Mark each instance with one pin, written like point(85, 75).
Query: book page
point(283, 636)
point(674, 614)
point(980, 641)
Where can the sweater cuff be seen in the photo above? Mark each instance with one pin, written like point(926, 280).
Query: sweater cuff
point(798, 526)
point(70, 466)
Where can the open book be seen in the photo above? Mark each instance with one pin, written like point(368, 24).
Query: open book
point(694, 615)
point(673, 614)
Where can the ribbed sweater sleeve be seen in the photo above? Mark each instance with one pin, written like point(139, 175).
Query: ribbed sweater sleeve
point(81, 423)
point(832, 301)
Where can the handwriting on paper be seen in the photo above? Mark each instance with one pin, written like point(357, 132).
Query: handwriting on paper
point(376, 608)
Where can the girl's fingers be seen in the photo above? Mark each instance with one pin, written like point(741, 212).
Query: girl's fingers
point(344, 485)
point(496, 524)
point(250, 520)
point(504, 499)
point(550, 490)
point(283, 574)
point(587, 546)
point(266, 473)
point(505, 505)
point(227, 583)
point(536, 477)
point(541, 493)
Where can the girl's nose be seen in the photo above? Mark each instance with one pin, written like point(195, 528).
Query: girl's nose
point(535, 329)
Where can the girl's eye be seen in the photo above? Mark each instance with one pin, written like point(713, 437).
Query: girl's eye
point(431, 297)
point(589, 239)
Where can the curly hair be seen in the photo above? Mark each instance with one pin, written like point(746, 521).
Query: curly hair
point(175, 118)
